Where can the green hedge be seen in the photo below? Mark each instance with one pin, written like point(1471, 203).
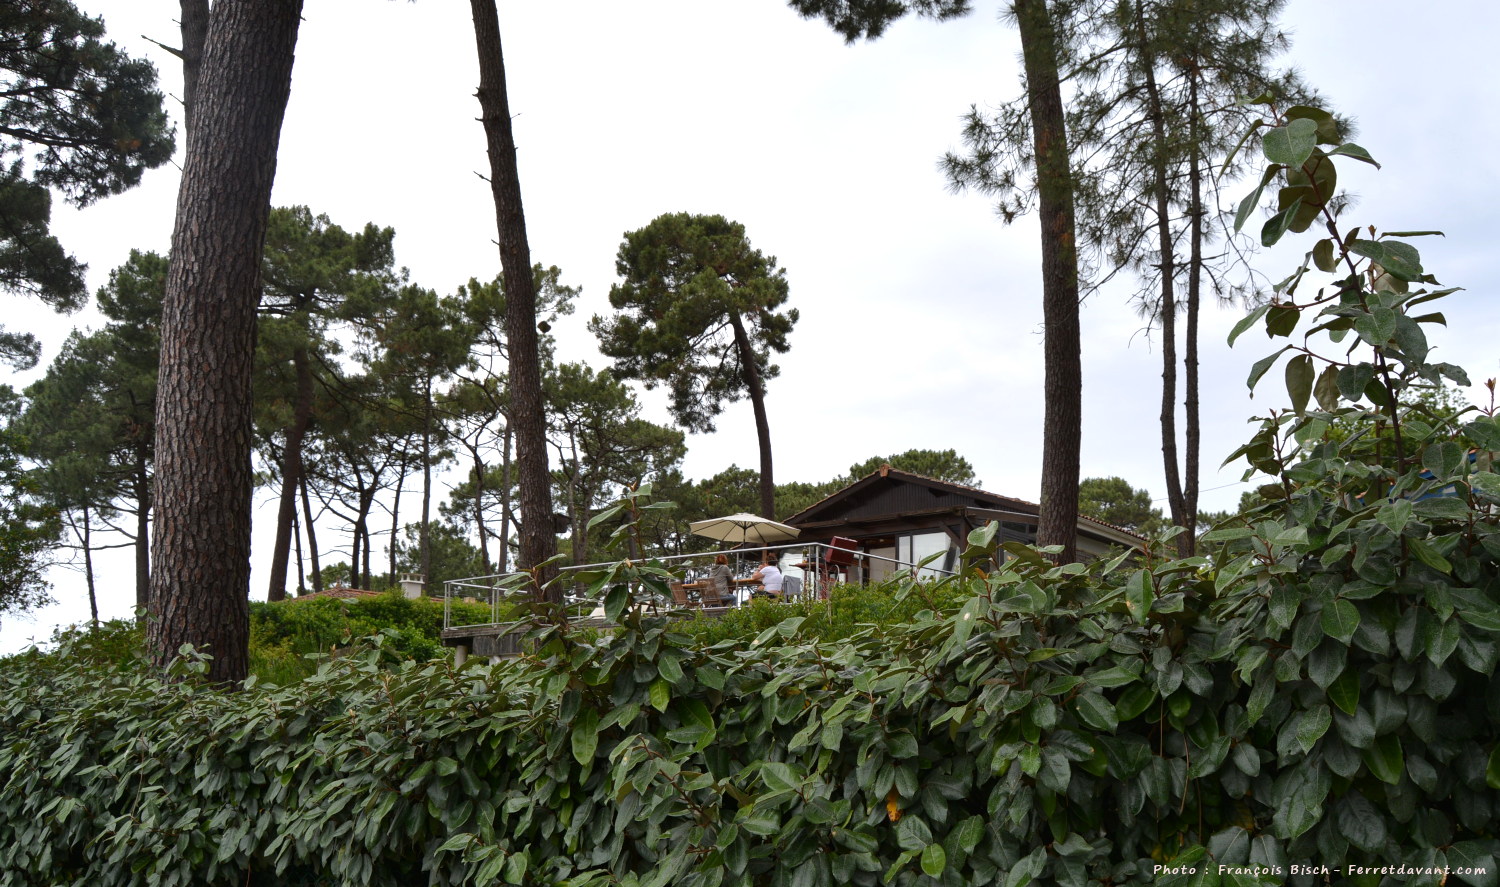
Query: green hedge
point(1059, 727)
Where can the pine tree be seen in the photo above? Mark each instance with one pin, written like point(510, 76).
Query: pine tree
point(697, 311)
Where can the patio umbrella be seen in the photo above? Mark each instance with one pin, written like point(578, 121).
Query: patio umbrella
point(744, 528)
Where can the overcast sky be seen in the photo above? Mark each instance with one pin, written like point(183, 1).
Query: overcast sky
point(920, 311)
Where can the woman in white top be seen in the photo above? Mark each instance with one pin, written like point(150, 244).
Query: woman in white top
point(769, 575)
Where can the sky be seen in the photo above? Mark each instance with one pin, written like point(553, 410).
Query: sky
point(920, 311)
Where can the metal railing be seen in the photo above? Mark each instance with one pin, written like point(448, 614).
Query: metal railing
point(810, 570)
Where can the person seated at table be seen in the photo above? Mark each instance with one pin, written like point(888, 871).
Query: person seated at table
point(769, 575)
point(719, 580)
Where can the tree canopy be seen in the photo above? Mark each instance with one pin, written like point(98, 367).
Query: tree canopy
point(697, 310)
point(79, 116)
point(946, 465)
point(1114, 501)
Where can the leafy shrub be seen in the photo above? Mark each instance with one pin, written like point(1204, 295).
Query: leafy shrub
point(849, 610)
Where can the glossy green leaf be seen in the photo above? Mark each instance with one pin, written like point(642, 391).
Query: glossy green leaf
point(1138, 595)
point(934, 860)
point(1361, 823)
point(1247, 322)
point(1094, 710)
point(1261, 366)
point(660, 694)
point(1323, 256)
point(585, 736)
point(1384, 758)
point(1292, 144)
point(1299, 382)
point(1349, 149)
point(1340, 619)
point(1344, 692)
point(1311, 726)
point(1134, 701)
point(1353, 380)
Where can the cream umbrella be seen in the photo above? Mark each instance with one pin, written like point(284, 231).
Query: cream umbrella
point(744, 528)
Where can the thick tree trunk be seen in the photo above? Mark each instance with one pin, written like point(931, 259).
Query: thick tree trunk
point(1167, 266)
point(201, 535)
point(312, 538)
point(1062, 424)
point(142, 482)
point(538, 541)
point(756, 387)
point(291, 474)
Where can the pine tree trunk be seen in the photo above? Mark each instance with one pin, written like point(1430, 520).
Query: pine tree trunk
point(142, 482)
point(426, 537)
point(756, 386)
point(396, 513)
point(1167, 267)
point(312, 538)
point(194, 23)
point(577, 506)
point(86, 537)
point(484, 542)
point(201, 535)
point(291, 475)
point(1187, 542)
point(362, 537)
point(502, 564)
point(297, 541)
point(1062, 424)
point(538, 541)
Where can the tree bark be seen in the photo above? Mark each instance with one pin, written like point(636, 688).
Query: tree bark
point(201, 536)
point(502, 563)
point(194, 24)
point(1187, 542)
point(1167, 254)
point(297, 540)
point(426, 538)
point(538, 541)
point(757, 389)
point(291, 474)
point(312, 537)
point(396, 512)
point(484, 542)
point(142, 481)
point(86, 537)
point(1062, 424)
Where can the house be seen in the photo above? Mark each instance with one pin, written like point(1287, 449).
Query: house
point(907, 517)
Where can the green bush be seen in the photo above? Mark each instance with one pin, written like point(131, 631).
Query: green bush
point(850, 609)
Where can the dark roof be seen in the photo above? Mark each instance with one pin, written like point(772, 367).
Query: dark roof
point(945, 493)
